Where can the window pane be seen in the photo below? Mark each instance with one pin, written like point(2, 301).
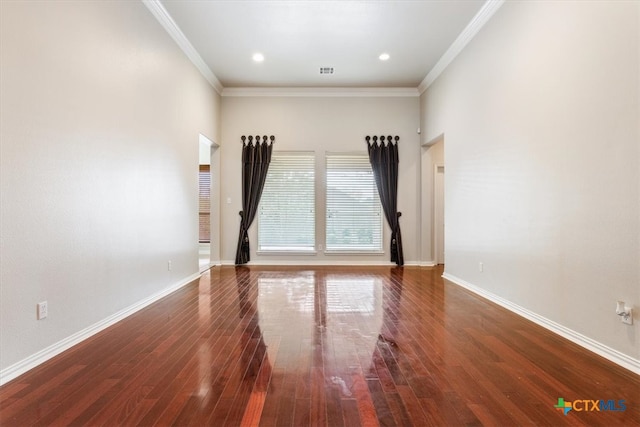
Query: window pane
point(354, 220)
point(205, 204)
point(286, 217)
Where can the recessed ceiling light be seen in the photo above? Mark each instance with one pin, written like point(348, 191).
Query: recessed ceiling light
point(258, 57)
point(384, 56)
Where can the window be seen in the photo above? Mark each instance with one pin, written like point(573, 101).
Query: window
point(205, 204)
point(354, 221)
point(286, 216)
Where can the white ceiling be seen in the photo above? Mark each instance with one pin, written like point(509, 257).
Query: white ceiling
point(297, 37)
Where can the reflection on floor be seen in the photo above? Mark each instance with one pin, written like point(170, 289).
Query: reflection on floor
point(203, 263)
point(204, 256)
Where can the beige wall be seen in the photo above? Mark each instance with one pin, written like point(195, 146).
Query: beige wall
point(321, 124)
point(540, 118)
point(101, 113)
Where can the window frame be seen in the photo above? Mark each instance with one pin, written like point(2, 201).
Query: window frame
point(351, 251)
point(294, 251)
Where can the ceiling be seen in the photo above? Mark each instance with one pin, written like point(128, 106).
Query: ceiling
point(298, 37)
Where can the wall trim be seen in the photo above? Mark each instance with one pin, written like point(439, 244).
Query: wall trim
point(590, 344)
point(167, 22)
point(321, 91)
point(206, 267)
point(428, 264)
point(410, 264)
point(470, 31)
point(11, 372)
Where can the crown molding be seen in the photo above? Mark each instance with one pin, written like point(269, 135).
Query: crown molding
point(321, 91)
point(167, 22)
point(478, 21)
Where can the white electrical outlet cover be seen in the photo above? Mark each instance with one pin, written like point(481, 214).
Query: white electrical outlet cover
point(42, 311)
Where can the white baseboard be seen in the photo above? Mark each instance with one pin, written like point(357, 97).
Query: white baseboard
point(329, 263)
point(428, 264)
point(410, 264)
point(11, 372)
point(609, 353)
point(206, 267)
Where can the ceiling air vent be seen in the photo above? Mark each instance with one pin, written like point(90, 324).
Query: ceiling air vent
point(326, 70)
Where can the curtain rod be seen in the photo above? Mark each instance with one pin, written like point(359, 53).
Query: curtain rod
point(264, 138)
point(382, 138)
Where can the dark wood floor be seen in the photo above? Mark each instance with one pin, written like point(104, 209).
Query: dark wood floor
point(322, 346)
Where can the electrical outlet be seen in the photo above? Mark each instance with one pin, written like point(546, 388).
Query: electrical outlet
point(168, 265)
point(42, 310)
point(625, 313)
point(480, 267)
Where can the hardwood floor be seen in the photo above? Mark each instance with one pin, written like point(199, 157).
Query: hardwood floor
point(340, 346)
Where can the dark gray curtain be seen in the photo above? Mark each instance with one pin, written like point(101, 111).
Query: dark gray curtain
point(255, 164)
point(384, 162)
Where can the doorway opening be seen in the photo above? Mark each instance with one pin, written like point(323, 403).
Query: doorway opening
point(432, 228)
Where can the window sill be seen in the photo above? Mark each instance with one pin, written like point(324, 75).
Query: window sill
point(352, 252)
point(284, 252)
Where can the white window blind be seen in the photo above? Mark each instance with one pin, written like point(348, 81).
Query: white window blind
point(354, 221)
point(286, 217)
